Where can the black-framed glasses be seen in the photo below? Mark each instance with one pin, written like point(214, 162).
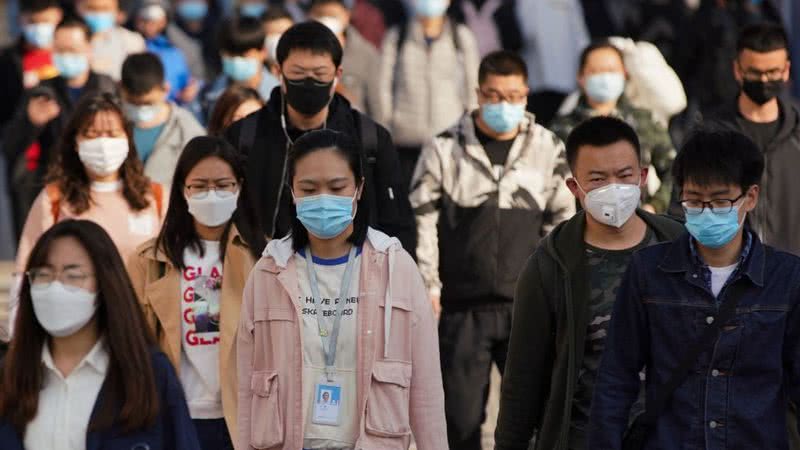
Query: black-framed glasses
point(72, 278)
point(497, 97)
point(201, 190)
point(719, 206)
point(757, 75)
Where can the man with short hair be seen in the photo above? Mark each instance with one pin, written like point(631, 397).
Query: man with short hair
point(111, 43)
point(35, 130)
point(762, 68)
point(484, 192)
point(359, 68)
point(565, 293)
point(161, 129)
point(30, 60)
point(602, 77)
point(310, 57)
point(714, 315)
point(241, 44)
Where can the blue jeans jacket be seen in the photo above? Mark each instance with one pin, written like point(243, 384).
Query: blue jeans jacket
point(736, 395)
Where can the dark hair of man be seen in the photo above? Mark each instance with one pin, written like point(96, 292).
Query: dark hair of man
point(178, 232)
point(69, 173)
point(130, 396)
point(226, 106)
point(276, 12)
point(141, 73)
point(317, 3)
point(599, 45)
point(716, 154)
point(503, 63)
point(349, 150)
point(598, 132)
point(238, 35)
point(312, 36)
point(73, 21)
point(35, 6)
point(762, 38)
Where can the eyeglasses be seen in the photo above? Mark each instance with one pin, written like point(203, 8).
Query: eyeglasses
point(496, 97)
point(72, 279)
point(223, 189)
point(756, 75)
point(719, 206)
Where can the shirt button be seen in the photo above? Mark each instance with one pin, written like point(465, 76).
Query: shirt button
point(369, 331)
point(709, 320)
point(715, 373)
point(712, 424)
point(694, 275)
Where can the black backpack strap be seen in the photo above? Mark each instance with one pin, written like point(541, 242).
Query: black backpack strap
point(368, 131)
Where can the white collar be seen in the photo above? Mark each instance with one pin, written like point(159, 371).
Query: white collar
point(106, 186)
point(97, 359)
point(281, 249)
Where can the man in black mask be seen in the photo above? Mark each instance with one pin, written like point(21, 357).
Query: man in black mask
point(772, 121)
point(309, 56)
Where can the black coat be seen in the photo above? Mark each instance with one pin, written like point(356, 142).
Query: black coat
point(20, 133)
point(386, 194)
point(11, 81)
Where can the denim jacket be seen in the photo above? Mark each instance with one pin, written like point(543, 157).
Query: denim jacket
point(736, 395)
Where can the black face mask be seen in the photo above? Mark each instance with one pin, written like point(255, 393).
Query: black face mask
point(308, 95)
point(762, 91)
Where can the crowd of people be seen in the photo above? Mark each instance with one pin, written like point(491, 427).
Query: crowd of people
point(319, 224)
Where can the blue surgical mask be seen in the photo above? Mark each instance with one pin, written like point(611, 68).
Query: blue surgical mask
point(99, 22)
point(192, 10)
point(39, 35)
point(430, 8)
point(325, 216)
point(141, 113)
point(253, 10)
point(605, 87)
point(239, 68)
point(71, 65)
point(502, 117)
point(713, 230)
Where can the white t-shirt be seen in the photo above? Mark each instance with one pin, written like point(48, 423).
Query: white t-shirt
point(201, 288)
point(329, 276)
point(719, 276)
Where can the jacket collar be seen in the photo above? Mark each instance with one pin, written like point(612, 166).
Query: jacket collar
point(566, 242)
point(789, 112)
point(280, 251)
point(234, 238)
point(679, 259)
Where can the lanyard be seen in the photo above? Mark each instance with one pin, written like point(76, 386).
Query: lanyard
point(330, 336)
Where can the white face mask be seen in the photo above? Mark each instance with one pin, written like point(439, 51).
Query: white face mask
point(103, 156)
point(613, 204)
point(62, 311)
point(214, 208)
point(333, 24)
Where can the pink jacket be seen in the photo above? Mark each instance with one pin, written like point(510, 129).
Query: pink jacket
point(399, 381)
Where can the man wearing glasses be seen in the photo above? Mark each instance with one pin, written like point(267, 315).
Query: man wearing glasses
point(772, 121)
point(714, 315)
point(484, 192)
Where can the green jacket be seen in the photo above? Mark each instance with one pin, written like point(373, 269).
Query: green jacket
point(657, 148)
point(551, 316)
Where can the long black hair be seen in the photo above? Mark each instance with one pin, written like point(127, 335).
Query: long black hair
point(349, 150)
point(131, 398)
point(178, 232)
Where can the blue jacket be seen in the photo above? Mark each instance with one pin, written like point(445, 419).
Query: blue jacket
point(173, 429)
point(176, 69)
point(736, 395)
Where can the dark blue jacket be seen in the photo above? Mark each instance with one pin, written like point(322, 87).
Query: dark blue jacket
point(173, 429)
point(736, 395)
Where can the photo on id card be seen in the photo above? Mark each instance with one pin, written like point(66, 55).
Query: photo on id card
point(327, 401)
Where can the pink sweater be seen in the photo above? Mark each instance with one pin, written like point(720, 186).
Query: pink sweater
point(109, 209)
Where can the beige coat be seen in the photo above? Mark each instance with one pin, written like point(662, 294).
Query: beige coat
point(158, 285)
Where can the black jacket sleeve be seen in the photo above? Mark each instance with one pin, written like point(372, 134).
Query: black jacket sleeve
point(529, 364)
point(393, 213)
point(19, 134)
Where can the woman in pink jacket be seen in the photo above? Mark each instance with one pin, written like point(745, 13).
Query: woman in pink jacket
point(337, 345)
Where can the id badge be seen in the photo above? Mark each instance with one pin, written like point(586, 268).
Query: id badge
point(327, 403)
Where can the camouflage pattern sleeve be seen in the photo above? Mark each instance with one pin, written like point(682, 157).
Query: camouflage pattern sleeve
point(658, 151)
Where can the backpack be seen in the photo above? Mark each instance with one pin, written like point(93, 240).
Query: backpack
point(54, 193)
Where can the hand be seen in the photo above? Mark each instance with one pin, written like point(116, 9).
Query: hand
point(649, 208)
point(437, 306)
point(188, 94)
point(42, 110)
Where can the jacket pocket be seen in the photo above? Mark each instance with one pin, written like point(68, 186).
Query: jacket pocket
point(266, 418)
point(388, 400)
